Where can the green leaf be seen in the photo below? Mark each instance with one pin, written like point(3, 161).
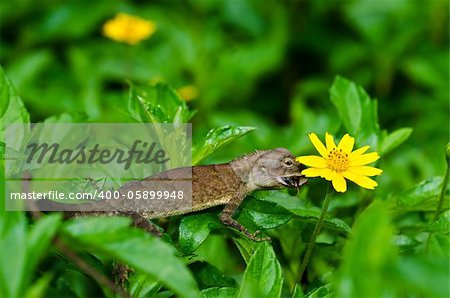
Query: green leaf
point(216, 292)
point(91, 260)
point(346, 97)
point(370, 251)
point(216, 138)
point(356, 110)
point(394, 139)
point(422, 197)
point(208, 276)
point(12, 110)
point(113, 237)
point(62, 288)
point(426, 72)
point(75, 283)
point(265, 214)
point(13, 236)
point(439, 240)
point(325, 291)
point(39, 288)
point(39, 239)
point(194, 229)
point(299, 208)
point(263, 276)
point(157, 104)
point(441, 224)
point(216, 251)
point(142, 285)
point(426, 275)
point(297, 293)
point(27, 69)
point(84, 226)
point(22, 249)
point(439, 244)
point(246, 247)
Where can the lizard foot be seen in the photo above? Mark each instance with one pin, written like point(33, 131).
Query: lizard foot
point(120, 273)
point(254, 237)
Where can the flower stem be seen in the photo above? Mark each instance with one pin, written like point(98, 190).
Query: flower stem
point(316, 232)
point(443, 190)
point(441, 198)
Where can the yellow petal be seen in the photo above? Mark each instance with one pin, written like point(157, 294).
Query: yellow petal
point(365, 170)
point(329, 174)
point(318, 144)
point(363, 159)
point(359, 151)
point(329, 141)
point(318, 172)
point(361, 180)
point(346, 143)
point(312, 161)
point(312, 172)
point(339, 183)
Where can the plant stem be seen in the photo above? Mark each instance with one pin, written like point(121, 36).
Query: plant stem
point(443, 190)
point(441, 199)
point(316, 232)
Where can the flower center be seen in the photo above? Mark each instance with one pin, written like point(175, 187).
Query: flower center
point(337, 160)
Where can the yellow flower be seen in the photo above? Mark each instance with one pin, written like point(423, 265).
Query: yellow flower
point(338, 163)
point(188, 93)
point(127, 28)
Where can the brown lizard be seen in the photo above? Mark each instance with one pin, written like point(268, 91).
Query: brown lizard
point(212, 185)
point(228, 184)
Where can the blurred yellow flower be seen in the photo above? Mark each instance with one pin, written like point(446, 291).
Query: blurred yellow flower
point(188, 93)
point(129, 29)
point(339, 162)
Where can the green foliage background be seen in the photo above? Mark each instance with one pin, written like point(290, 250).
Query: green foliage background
point(267, 73)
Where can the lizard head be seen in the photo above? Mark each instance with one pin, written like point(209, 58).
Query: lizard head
point(272, 169)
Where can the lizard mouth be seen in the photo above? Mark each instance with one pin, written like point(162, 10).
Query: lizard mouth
point(292, 181)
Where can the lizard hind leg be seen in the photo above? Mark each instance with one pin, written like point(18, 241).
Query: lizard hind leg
point(146, 225)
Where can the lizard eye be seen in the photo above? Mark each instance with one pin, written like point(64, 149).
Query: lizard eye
point(288, 162)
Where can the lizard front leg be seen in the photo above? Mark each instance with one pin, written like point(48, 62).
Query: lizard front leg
point(227, 219)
